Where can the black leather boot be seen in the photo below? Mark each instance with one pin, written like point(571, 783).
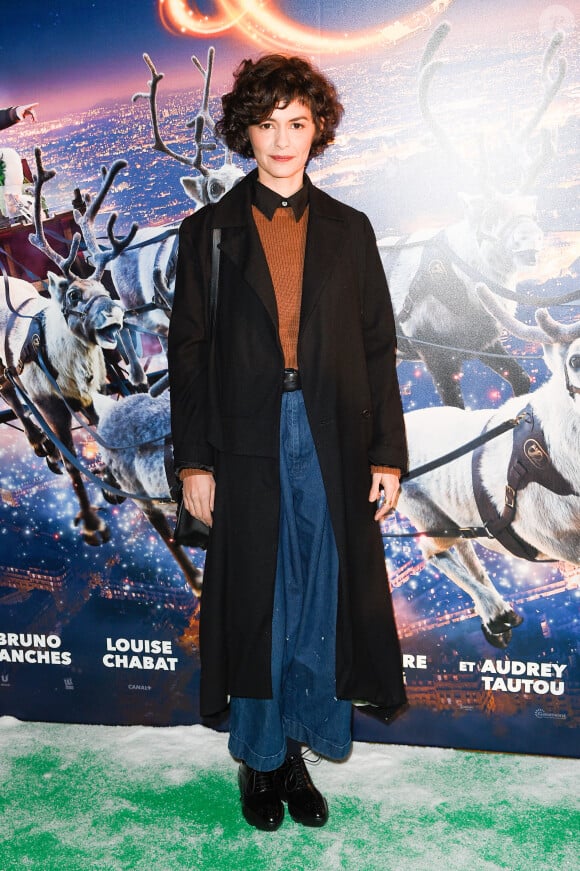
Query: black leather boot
point(261, 804)
point(305, 803)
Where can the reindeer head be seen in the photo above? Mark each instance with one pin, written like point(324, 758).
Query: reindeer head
point(210, 188)
point(505, 226)
point(87, 308)
point(572, 368)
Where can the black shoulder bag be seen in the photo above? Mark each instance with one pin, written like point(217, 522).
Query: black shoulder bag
point(190, 531)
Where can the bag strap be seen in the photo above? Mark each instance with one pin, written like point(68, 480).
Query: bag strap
point(215, 277)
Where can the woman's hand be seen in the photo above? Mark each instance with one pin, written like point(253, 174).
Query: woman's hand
point(198, 496)
point(389, 481)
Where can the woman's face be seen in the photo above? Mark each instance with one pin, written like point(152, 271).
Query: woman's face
point(281, 146)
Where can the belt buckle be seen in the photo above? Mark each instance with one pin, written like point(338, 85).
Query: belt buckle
point(291, 380)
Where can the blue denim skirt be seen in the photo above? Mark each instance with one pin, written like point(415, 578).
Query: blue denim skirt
point(304, 704)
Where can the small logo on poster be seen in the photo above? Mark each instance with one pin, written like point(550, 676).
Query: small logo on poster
point(4, 679)
point(68, 683)
point(541, 714)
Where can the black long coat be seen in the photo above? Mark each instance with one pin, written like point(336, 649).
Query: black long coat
point(226, 414)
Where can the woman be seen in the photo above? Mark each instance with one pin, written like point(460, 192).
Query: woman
point(286, 426)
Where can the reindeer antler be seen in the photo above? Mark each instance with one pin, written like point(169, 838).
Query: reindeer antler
point(38, 239)
point(547, 332)
point(427, 69)
point(151, 95)
point(532, 164)
point(552, 84)
point(523, 331)
point(206, 74)
point(199, 123)
point(561, 334)
point(86, 222)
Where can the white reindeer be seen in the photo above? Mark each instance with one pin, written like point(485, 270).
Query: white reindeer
point(432, 276)
point(444, 498)
point(134, 445)
point(68, 333)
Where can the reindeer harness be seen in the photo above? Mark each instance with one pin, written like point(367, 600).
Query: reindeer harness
point(529, 463)
point(435, 277)
point(34, 344)
point(33, 348)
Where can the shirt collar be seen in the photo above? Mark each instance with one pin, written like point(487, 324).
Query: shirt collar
point(267, 200)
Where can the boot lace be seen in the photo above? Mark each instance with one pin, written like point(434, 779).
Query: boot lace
point(297, 776)
point(262, 781)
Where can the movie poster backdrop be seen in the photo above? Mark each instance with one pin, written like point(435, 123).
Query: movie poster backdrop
point(460, 141)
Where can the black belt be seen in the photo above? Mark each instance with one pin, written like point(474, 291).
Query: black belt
point(291, 380)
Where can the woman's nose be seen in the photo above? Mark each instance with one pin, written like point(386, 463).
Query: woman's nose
point(282, 138)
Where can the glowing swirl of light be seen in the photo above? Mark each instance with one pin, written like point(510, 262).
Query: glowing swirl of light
point(264, 25)
point(178, 17)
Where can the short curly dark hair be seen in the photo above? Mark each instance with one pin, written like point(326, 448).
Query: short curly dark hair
point(272, 82)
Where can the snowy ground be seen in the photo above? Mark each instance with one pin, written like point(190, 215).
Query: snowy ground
point(161, 799)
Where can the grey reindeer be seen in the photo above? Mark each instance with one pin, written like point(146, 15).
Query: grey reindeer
point(69, 332)
point(135, 448)
point(432, 277)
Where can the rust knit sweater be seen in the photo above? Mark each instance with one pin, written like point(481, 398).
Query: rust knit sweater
point(284, 242)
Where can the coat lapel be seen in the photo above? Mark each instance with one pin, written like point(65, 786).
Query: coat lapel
point(240, 243)
point(323, 247)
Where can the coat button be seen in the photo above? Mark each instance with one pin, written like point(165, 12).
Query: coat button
point(365, 412)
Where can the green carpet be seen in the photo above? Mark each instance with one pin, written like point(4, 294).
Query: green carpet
point(77, 798)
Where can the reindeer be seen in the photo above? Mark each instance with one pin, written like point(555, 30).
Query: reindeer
point(547, 509)
point(134, 445)
point(145, 273)
point(59, 341)
point(432, 277)
point(85, 213)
